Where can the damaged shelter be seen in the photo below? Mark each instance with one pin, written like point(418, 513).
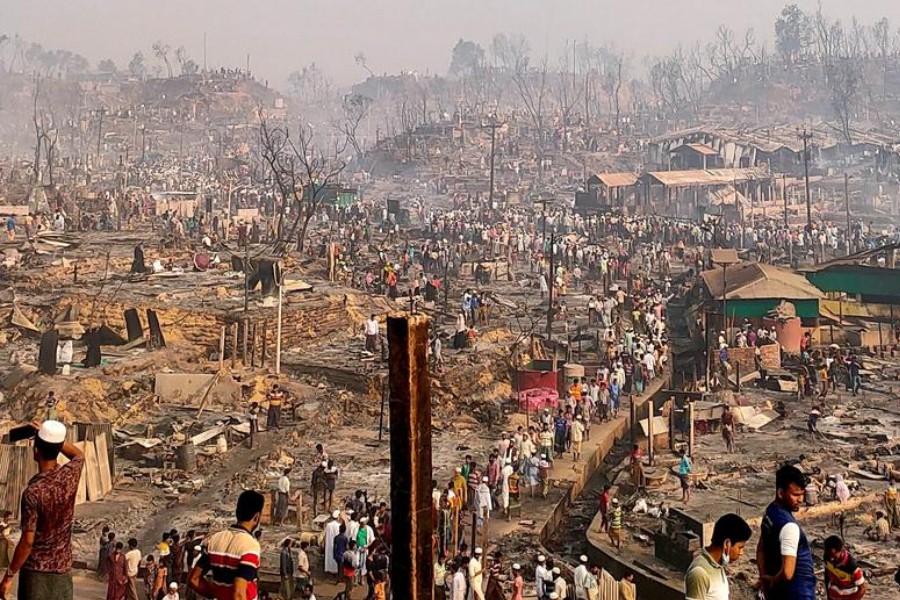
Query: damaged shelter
point(862, 296)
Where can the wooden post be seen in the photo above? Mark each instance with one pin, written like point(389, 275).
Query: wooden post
point(222, 349)
point(411, 570)
point(278, 325)
point(234, 344)
point(650, 415)
point(253, 346)
point(246, 341)
point(690, 412)
point(262, 361)
point(672, 406)
point(633, 424)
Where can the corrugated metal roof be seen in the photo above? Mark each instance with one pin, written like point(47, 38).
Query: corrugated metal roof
point(725, 256)
point(726, 195)
point(702, 149)
point(613, 180)
point(754, 281)
point(708, 177)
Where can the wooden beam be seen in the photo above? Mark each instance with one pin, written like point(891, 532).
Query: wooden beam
point(222, 350)
point(411, 571)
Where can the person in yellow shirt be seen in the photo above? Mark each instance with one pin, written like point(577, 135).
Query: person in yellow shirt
point(273, 416)
point(575, 389)
point(459, 486)
point(890, 505)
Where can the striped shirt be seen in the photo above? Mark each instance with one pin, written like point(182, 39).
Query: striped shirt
point(228, 555)
point(615, 518)
point(843, 577)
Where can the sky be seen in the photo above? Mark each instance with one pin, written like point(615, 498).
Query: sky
point(281, 36)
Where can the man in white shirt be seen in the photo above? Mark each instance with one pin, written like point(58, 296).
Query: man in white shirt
point(476, 576)
point(332, 529)
point(132, 564)
point(560, 587)
point(484, 501)
point(580, 578)
point(650, 363)
point(371, 334)
point(284, 495)
point(458, 591)
point(542, 577)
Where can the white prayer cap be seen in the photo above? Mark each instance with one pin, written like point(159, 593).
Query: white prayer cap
point(459, 469)
point(335, 514)
point(173, 586)
point(52, 432)
point(556, 571)
point(479, 550)
point(583, 558)
point(541, 558)
point(364, 520)
point(517, 567)
point(324, 463)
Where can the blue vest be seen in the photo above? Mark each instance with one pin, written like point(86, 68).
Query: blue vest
point(803, 584)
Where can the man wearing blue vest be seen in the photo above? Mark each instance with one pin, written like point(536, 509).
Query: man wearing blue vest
point(783, 556)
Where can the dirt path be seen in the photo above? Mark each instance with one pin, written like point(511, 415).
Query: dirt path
point(238, 459)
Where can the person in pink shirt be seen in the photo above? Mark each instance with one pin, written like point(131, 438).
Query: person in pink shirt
point(518, 582)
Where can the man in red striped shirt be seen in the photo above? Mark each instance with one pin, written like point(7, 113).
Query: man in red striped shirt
point(228, 565)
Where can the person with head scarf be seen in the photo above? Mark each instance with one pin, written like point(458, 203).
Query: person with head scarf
point(840, 489)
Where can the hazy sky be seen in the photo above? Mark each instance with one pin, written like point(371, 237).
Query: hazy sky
point(283, 35)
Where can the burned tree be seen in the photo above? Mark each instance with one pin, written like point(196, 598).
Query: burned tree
point(45, 139)
point(568, 92)
point(161, 51)
point(531, 83)
point(299, 171)
point(354, 109)
point(844, 80)
point(611, 65)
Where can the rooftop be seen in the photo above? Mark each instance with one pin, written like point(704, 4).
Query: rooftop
point(753, 281)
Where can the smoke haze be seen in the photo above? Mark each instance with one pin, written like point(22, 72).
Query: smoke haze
point(283, 35)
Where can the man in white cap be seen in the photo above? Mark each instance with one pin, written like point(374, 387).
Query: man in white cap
point(615, 523)
point(476, 571)
point(576, 434)
point(44, 552)
point(332, 528)
point(559, 584)
point(505, 474)
point(365, 535)
point(484, 502)
point(172, 593)
point(518, 586)
point(579, 578)
point(542, 576)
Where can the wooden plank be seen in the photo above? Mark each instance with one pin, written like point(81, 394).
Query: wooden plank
point(92, 472)
point(5, 474)
point(81, 495)
point(266, 516)
point(106, 483)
